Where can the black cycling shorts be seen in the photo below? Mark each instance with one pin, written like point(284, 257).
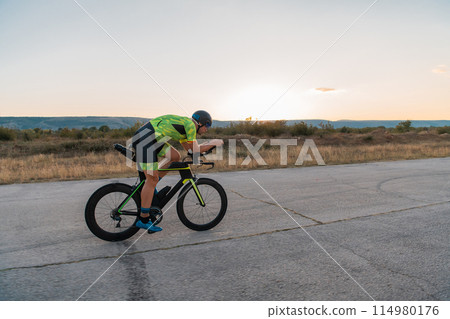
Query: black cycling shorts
point(147, 148)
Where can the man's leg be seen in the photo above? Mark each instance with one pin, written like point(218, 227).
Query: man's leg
point(146, 201)
point(172, 155)
point(147, 148)
point(151, 179)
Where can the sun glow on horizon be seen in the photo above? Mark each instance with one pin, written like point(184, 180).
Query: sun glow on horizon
point(258, 101)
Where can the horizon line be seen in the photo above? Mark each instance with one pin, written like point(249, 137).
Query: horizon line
point(267, 120)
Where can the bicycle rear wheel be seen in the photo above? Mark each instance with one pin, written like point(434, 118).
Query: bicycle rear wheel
point(198, 217)
point(102, 215)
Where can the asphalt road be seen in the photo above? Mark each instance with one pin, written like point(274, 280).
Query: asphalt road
point(379, 230)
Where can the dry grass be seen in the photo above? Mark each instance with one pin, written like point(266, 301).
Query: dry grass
point(333, 155)
point(54, 159)
point(52, 167)
point(387, 152)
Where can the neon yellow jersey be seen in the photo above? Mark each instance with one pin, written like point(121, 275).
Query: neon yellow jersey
point(180, 128)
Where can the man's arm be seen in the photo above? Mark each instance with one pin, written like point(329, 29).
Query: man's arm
point(202, 147)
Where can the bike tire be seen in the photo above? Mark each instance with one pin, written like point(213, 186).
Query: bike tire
point(99, 212)
point(197, 217)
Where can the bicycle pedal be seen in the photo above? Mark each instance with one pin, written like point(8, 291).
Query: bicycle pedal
point(156, 218)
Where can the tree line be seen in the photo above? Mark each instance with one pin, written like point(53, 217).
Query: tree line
point(260, 129)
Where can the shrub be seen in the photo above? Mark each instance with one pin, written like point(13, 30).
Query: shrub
point(345, 129)
point(68, 146)
point(7, 134)
point(28, 135)
point(302, 129)
point(104, 128)
point(127, 132)
point(37, 132)
point(64, 132)
point(326, 127)
point(273, 129)
point(443, 130)
point(79, 135)
point(229, 130)
point(403, 127)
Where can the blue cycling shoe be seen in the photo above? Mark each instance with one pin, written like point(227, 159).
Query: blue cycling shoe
point(149, 226)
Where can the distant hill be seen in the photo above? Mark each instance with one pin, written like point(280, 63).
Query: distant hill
point(54, 123)
point(362, 124)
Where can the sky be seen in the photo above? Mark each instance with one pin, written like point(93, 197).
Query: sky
point(269, 60)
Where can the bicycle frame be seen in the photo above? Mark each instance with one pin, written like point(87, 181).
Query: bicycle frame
point(186, 176)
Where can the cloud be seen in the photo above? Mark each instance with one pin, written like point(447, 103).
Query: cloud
point(325, 90)
point(440, 69)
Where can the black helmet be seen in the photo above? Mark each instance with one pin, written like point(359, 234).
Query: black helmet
point(203, 118)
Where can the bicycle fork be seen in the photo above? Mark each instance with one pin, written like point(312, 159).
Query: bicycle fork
point(196, 191)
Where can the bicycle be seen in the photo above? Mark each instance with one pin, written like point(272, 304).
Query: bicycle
point(112, 211)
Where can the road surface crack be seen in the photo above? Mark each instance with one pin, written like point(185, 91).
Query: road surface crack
point(217, 240)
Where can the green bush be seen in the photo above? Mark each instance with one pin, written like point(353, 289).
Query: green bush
point(7, 134)
point(274, 129)
point(302, 129)
point(68, 146)
point(64, 132)
point(28, 135)
point(403, 127)
point(443, 130)
point(37, 132)
point(326, 128)
point(104, 128)
point(345, 129)
point(79, 135)
point(258, 129)
point(268, 128)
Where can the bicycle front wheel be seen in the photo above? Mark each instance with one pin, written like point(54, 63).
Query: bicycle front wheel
point(197, 217)
point(102, 215)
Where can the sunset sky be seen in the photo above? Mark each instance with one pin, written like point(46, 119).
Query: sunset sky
point(232, 58)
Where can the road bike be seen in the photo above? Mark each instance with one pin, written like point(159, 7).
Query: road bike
point(112, 211)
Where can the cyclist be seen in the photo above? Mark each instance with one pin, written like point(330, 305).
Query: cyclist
point(150, 142)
